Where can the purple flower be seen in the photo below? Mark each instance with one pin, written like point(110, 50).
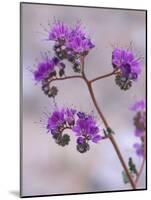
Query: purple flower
point(70, 38)
point(78, 41)
point(139, 149)
point(56, 120)
point(86, 128)
point(125, 61)
point(139, 106)
point(139, 132)
point(80, 45)
point(43, 69)
point(59, 31)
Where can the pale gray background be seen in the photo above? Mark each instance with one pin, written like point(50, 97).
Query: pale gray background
point(48, 168)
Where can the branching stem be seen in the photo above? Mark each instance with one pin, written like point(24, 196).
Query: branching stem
point(110, 136)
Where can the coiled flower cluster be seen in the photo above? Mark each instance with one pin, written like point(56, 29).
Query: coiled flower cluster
point(83, 125)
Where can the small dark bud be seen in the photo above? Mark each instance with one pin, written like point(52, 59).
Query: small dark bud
point(53, 91)
point(62, 65)
point(63, 140)
point(110, 131)
point(52, 74)
point(123, 82)
point(70, 57)
point(61, 72)
point(55, 60)
point(76, 68)
point(82, 148)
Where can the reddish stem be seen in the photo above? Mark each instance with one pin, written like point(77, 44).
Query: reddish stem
point(110, 136)
point(104, 76)
point(64, 78)
point(143, 162)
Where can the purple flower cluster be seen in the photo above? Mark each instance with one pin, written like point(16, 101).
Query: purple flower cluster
point(82, 124)
point(71, 38)
point(86, 128)
point(127, 66)
point(61, 119)
point(140, 125)
point(47, 70)
point(71, 43)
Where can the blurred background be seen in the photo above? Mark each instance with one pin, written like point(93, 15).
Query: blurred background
point(46, 167)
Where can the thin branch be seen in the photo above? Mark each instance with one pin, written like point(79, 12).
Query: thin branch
point(103, 76)
point(107, 126)
point(110, 136)
point(64, 78)
point(143, 162)
point(140, 171)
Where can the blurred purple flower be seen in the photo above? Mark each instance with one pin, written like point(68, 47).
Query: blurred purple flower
point(139, 149)
point(139, 119)
point(139, 106)
point(125, 61)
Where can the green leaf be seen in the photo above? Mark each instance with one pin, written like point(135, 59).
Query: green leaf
point(125, 178)
point(110, 131)
point(132, 166)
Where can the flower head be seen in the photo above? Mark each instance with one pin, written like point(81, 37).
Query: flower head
point(128, 67)
point(86, 128)
point(78, 41)
point(44, 68)
point(80, 45)
point(82, 124)
point(125, 60)
point(56, 120)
